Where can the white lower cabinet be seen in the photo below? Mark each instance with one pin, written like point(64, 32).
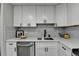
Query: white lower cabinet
point(40, 51)
point(52, 51)
point(11, 49)
point(46, 49)
point(61, 53)
point(42, 48)
point(64, 50)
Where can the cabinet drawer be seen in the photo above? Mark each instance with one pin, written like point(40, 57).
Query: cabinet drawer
point(11, 43)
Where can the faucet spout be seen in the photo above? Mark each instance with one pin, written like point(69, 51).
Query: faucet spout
point(45, 33)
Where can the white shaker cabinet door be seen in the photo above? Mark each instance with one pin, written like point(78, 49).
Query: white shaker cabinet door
point(11, 49)
point(40, 14)
point(17, 16)
point(29, 16)
point(62, 53)
point(50, 14)
point(61, 15)
point(40, 51)
point(45, 14)
point(46, 49)
point(64, 50)
point(73, 14)
point(52, 51)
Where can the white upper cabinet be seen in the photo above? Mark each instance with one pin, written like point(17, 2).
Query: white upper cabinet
point(29, 16)
point(45, 14)
point(64, 14)
point(67, 14)
point(17, 16)
point(50, 14)
point(40, 14)
point(73, 14)
point(24, 16)
point(61, 15)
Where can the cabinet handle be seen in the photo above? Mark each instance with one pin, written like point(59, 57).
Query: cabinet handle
point(29, 24)
point(45, 49)
point(21, 24)
point(64, 48)
point(45, 21)
point(15, 49)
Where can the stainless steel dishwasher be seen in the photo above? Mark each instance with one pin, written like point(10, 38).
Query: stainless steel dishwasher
point(25, 48)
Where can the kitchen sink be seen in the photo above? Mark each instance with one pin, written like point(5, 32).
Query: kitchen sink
point(48, 39)
point(39, 38)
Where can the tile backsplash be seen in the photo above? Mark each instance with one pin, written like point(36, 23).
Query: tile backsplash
point(73, 31)
point(39, 31)
point(53, 31)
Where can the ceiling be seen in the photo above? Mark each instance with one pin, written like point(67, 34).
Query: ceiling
point(34, 3)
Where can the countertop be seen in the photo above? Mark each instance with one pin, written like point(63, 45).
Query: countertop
point(33, 39)
point(71, 43)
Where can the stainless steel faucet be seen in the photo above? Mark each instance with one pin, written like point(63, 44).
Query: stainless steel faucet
point(45, 33)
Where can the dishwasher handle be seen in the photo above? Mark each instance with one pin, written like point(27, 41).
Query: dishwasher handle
point(27, 45)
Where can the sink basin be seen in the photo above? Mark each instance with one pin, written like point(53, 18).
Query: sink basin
point(45, 38)
point(48, 39)
point(39, 38)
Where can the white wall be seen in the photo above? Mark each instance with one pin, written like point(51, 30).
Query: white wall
point(6, 24)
